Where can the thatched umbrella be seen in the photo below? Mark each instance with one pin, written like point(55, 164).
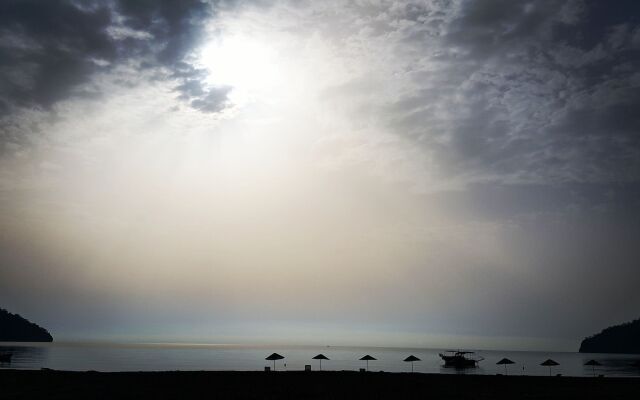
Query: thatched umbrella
point(549, 363)
point(273, 357)
point(505, 362)
point(411, 359)
point(320, 357)
point(367, 358)
point(593, 364)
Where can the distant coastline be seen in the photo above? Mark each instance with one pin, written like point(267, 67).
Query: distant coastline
point(15, 328)
point(624, 338)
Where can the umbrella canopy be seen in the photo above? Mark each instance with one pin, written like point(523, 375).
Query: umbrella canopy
point(549, 363)
point(320, 357)
point(505, 362)
point(368, 358)
point(273, 357)
point(411, 359)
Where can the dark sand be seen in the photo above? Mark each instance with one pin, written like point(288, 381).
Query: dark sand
point(305, 385)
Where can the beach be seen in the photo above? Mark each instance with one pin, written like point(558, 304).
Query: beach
point(28, 384)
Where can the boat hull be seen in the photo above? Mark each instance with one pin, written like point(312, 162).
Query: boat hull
point(458, 362)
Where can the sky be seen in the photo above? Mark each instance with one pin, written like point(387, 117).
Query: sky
point(396, 173)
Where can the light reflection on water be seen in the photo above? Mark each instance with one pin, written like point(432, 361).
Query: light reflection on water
point(156, 357)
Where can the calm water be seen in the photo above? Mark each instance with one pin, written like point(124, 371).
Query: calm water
point(155, 357)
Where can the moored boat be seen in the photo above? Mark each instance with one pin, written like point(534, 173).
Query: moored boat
point(460, 359)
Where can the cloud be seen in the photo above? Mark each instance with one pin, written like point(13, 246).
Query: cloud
point(46, 48)
point(507, 91)
point(501, 90)
point(50, 50)
point(540, 99)
point(214, 100)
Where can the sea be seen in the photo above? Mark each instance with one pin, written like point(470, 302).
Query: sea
point(110, 357)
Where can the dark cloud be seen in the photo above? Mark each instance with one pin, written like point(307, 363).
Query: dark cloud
point(193, 89)
point(534, 91)
point(46, 49)
point(49, 49)
point(214, 100)
point(525, 91)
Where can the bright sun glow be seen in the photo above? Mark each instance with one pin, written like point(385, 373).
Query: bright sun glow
point(249, 66)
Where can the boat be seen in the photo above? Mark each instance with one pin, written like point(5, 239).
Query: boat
point(5, 357)
point(460, 359)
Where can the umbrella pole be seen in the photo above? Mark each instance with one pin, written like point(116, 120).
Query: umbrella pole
point(367, 365)
point(274, 365)
point(321, 364)
point(412, 366)
point(505, 369)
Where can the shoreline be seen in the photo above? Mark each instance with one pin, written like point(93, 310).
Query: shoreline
point(56, 384)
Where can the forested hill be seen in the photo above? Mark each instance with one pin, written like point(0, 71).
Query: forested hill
point(623, 338)
point(14, 328)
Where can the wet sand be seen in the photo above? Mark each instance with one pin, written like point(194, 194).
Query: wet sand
point(15, 384)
